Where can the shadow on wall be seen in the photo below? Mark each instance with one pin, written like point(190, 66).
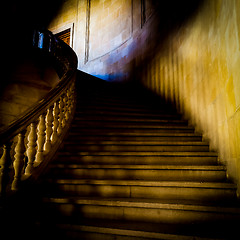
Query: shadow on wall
point(22, 17)
point(26, 76)
point(196, 67)
point(168, 17)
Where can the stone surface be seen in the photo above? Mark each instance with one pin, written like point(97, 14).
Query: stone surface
point(195, 62)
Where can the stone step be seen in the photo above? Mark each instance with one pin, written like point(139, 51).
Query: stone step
point(111, 124)
point(125, 120)
point(121, 136)
point(118, 99)
point(130, 129)
point(140, 172)
point(100, 102)
point(114, 96)
point(131, 126)
point(102, 112)
point(141, 210)
point(114, 99)
point(135, 146)
point(132, 134)
point(126, 109)
point(143, 158)
point(117, 230)
point(135, 137)
point(164, 190)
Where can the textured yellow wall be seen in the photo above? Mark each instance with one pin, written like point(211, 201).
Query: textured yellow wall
point(198, 68)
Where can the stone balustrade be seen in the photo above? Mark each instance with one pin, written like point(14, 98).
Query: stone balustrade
point(32, 141)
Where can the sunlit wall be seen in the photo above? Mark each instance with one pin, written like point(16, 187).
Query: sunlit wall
point(198, 68)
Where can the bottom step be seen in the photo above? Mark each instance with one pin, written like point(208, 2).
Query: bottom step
point(118, 230)
point(141, 210)
point(100, 233)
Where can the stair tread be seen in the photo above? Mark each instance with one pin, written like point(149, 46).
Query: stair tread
point(147, 167)
point(144, 134)
point(143, 203)
point(137, 159)
point(125, 108)
point(128, 114)
point(141, 143)
point(152, 153)
point(118, 171)
point(130, 230)
point(184, 184)
point(127, 126)
point(127, 119)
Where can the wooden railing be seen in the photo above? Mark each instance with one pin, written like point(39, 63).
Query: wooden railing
point(29, 143)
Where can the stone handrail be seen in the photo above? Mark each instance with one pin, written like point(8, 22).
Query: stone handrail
point(29, 143)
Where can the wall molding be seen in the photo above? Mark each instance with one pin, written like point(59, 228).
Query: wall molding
point(87, 32)
point(143, 13)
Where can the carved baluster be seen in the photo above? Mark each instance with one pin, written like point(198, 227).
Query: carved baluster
point(18, 163)
point(66, 99)
point(70, 98)
point(64, 111)
point(69, 102)
point(5, 162)
point(31, 148)
point(55, 122)
point(73, 95)
point(49, 129)
point(41, 138)
point(60, 126)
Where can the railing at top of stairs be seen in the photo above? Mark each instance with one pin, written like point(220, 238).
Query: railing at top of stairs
point(30, 142)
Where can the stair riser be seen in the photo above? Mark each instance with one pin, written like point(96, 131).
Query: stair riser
point(71, 235)
point(132, 138)
point(125, 110)
point(167, 216)
point(163, 193)
point(130, 174)
point(119, 105)
point(127, 126)
point(126, 148)
point(99, 123)
point(139, 160)
point(139, 131)
point(104, 102)
point(90, 186)
point(183, 232)
point(146, 116)
point(129, 120)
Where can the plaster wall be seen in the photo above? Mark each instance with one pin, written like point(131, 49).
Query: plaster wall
point(108, 35)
